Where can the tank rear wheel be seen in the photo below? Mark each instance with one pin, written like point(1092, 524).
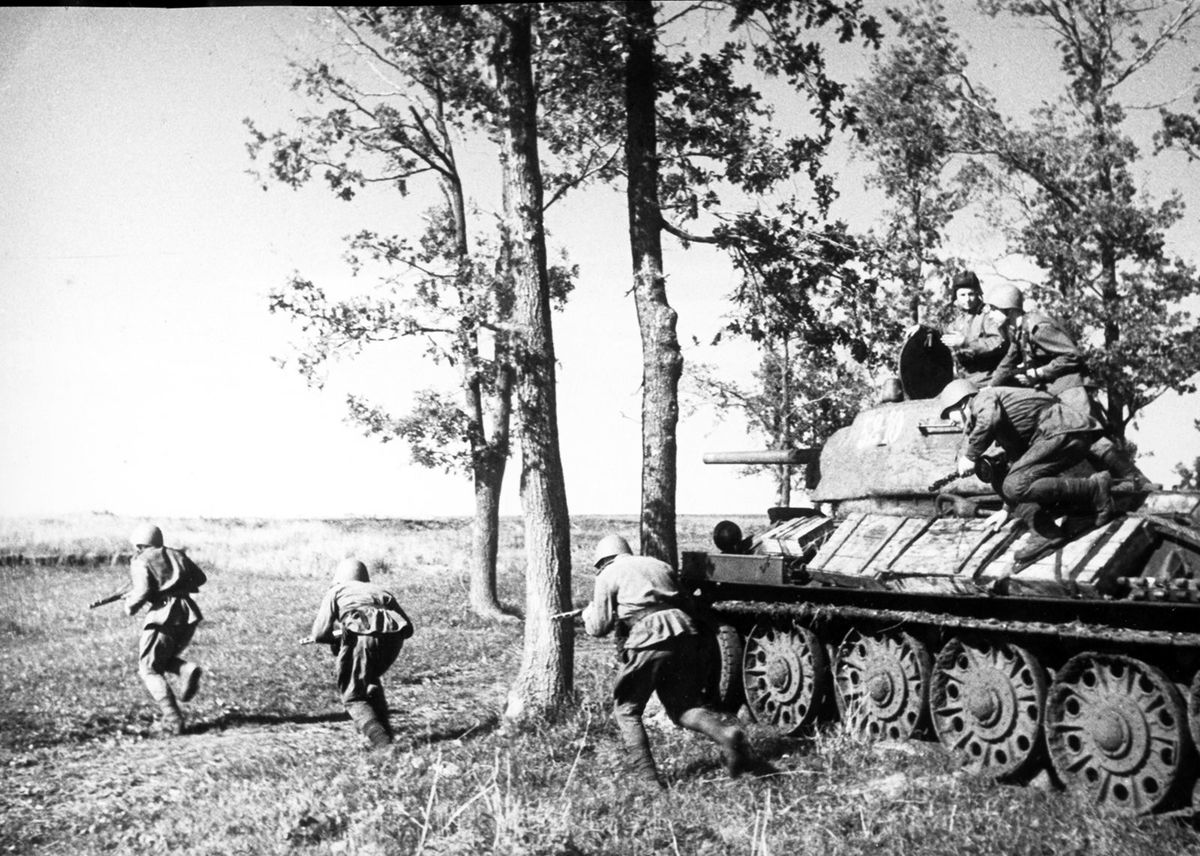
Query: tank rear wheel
point(784, 672)
point(986, 703)
point(881, 682)
point(1117, 727)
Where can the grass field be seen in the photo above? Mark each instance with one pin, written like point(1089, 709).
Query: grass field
point(271, 764)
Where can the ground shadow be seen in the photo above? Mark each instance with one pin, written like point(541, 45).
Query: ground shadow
point(233, 720)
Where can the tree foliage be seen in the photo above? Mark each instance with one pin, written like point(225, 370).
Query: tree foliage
point(912, 123)
point(1082, 215)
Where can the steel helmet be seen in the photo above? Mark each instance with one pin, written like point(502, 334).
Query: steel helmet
point(966, 279)
point(351, 570)
point(954, 394)
point(609, 546)
point(146, 536)
point(1005, 295)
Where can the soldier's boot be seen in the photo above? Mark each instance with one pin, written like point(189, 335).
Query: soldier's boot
point(189, 679)
point(1102, 499)
point(641, 766)
point(1126, 475)
point(378, 702)
point(364, 717)
point(731, 738)
point(171, 722)
point(639, 761)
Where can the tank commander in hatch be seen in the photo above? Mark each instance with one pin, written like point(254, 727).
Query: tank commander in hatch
point(976, 336)
point(660, 649)
point(1043, 438)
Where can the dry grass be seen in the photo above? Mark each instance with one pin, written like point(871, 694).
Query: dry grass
point(271, 765)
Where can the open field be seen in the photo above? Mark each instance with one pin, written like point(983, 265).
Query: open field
point(271, 764)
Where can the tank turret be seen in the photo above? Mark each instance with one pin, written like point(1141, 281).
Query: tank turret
point(897, 604)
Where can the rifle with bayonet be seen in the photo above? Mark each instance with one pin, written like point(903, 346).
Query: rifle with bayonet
point(115, 596)
point(564, 616)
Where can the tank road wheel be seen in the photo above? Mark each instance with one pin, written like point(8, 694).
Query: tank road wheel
point(1194, 711)
point(726, 681)
point(784, 672)
point(986, 705)
point(1116, 726)
point(881, 681)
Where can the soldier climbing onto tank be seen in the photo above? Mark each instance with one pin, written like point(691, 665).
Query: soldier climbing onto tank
point(975, 337)
point(660, 649)
point(1042, 355)
point(365, 629)
point(165, 579)
point(1042, 438)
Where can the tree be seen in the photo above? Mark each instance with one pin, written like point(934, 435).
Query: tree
point(911, 125)
point(695, 132)
point(545, 679)
point(1081, 216)
point(469, 68)
point(450, 287)
point(1189, 477)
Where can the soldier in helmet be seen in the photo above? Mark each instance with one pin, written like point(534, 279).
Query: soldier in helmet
point(365, 628)
point(977, 340)
point(660, 650)
point(1041, 353)
point(165, 579)
point(1043, 438)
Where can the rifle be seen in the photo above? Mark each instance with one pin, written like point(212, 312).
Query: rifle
point(115, 596)
point(941, 482)
point(563, 616)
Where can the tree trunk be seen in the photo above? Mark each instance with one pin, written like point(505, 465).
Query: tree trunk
point(544, 682)
point(662, 362)
point(485, 539)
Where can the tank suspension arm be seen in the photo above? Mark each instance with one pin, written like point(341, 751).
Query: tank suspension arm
point(764, 456)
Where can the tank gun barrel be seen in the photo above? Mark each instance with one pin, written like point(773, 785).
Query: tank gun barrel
point(765, 456)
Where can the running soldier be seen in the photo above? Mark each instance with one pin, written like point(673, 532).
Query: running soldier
point(165, 579)
point(660, 650)
point(365, 629)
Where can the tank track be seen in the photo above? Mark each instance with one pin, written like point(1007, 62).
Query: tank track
point(816, 614)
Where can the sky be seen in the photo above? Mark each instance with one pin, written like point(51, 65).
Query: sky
point(137, 370)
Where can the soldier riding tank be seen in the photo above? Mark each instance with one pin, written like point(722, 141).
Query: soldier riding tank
point(895, 601)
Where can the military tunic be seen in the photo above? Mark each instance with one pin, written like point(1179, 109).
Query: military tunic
point(1040, 434)
point(983, 345)
point(373, 629)
point(165, 579)
point(662, 652)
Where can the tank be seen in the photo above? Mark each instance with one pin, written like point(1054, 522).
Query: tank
point(892, 605)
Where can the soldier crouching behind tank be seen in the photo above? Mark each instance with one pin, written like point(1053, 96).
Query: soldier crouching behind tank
point(1043, 438)
point(660, 650)
point(165, 579)
point(365, 628)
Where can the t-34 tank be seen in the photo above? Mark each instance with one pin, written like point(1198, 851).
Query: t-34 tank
point(894, 606)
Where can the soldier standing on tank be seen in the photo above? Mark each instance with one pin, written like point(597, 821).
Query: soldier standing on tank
point(660, 650)
point(165, 579)
point(1043, 438)
point(975, 337)
point(365, 628)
